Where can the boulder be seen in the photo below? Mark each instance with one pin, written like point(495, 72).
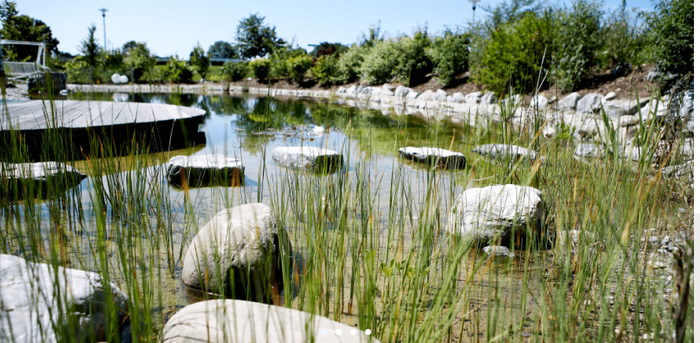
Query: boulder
point(427, 95)
point(411, 94)
point(439, 95)
point(458, 97)
point(434, 156)
point(679, 170)
point(205, 170)
point(513, 101)
point(351, 90)
point(504, 152)
point(488, 98)
point(498, 251)
point(491, 214)
point(240, 244)
point(590, 103)
point(47, 177)
point(569, 102)
point(308, 158)
point(589, 150)
point(623, 107)
point(245, 321)
point(609, 96)
point(389, 87)
point(341, 90)
point(539, 102)
point(401, 91)
point(628, 120)
point(37, 297)
point(376, 92)
point(473, 98)
point(549, 131)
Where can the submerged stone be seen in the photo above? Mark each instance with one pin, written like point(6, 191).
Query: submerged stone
point(205, 170)
point(498, 251)
point(46, 177)
point(245, 321)
point(37, 298)
point(308, 158)
point(504, 151)
point(435, 156)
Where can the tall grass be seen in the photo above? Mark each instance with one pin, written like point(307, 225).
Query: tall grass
point(367, 245)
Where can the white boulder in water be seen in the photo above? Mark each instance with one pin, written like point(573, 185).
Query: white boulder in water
point(434, 156)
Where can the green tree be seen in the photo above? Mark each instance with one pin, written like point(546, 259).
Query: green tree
point(130, 45)
point(450, 56)
point(91, 50)
point(177, 71)
point(671, 31)
point(576, 42)
point(373, 35)
point(298, 66)
point(255, 39)
point(24, 28)
point(221, 49)
point(140, 61)
point(199, 61)
point(413, 62)
point(325, 48)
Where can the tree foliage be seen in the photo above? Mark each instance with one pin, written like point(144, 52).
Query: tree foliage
point(325, 49)
point(199, 61)
point(90, 48)
point(450, 56)
point(255, 39)
point(298, 66)
point(261, 68)
point(235, 70)
point(576, 43)
point(140, 60)
point(177, 71)
point(24, 28)
point(413, 62)
point(221, 49)
point(671, 31)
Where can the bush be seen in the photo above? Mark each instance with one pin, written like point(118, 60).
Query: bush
point(298, 66)
point(413, 62)
point(513, 55)
point(623, 39)
point(671, 34)
point(235, 70)
point(140, 61)
point(576, 42)
point(199, 61)
point(261, 68)
point(280, 60)
point(450, 56)
point(76, 70)
point(178, 71)
point(380, 61)
point(349, 64)
point(325, 70)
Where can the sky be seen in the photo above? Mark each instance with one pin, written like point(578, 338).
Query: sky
point(175, 27)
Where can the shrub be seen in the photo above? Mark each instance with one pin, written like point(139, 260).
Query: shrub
point(280, 60)
point(623, 38)
point(76, 70)
point(178, 71)
point(671, 34)
point(298, 66)
point(140, 61)
point(349, 64)
point(261, 68)
point(450, 56)
point(199, 61)
point(380, 61)
point(235, 70)
point(513, 55)
point(413, 61)
point(325, 70)
point(576, 42)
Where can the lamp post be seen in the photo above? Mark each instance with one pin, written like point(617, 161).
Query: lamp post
point(104, 26)
point(474, 9)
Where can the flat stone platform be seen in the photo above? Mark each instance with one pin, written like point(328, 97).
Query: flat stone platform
point(37, 114)
point(82, 126)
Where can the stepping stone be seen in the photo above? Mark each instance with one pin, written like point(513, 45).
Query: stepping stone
point(239, 243)
point(498, 251)
point(491, 214)
point(435, 156)
point(205, 170)
point(60, 176)
point(308, 158)
point(245, 321)
point(504, 151)
point(37, 296)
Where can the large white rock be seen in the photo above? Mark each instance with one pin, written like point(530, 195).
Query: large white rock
point(488, 98)
point(244, 321)
point(492, 213)
point(204, 170)
point(539, 102)
point(441, 157)
point(569, 102)
point(60, 175)
point(623, 107)
point(458, 97)
point(589, 150)
point(241, 240)
point(473, 98)
point(504, 151)
point(36, 296)
point(307, 158)
point(411, 95)
point(427, 95)
point(498, 251)
point(590, 103)
point(439, 95)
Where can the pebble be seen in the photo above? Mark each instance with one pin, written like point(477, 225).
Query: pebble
point(653, 239)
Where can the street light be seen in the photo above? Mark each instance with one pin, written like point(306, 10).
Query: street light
point(104, 26)
point(474, 9)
